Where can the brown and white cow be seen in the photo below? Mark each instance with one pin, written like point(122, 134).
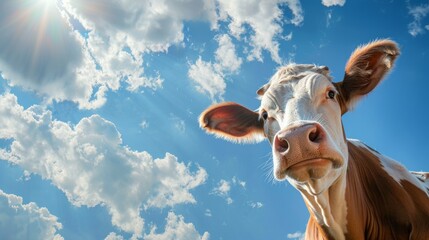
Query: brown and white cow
point(351, 191)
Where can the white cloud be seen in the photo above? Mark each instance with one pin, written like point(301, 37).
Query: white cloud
point(121, 32)
point(226, 56)
point(288, 37)
point(296, 236)
point(152, 25)
point(237, 181)
point(264, 18)
point(297, 12)
point(330, 3)
point(207, 79)
point(229, 200)
point(328, 18)
point(177, 228)
point(208, 213)
point(114, 236)
point(331, 19)
point(19, 221)
point(117, 63)
point(224, 187)
point(418, 13)
point(222, 190)
point(89, 164)
point(256, 204)
point(144, 124)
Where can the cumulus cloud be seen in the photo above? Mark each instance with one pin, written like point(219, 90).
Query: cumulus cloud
point(226, 56)
point(177, 228)
point(418, 13)
point(20, 221)
point(209, 77)
point(296, 236)
point(264, 18)
point(88, 162)
point(224, 187)
point(297, 12)
point(330, 3)
point(114, 236)
point(153, 25)
point(121, 32)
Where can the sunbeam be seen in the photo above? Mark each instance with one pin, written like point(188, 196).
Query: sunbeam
point(40, 51)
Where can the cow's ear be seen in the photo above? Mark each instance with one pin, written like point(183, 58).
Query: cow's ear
point(233, 122)
point(365, 69)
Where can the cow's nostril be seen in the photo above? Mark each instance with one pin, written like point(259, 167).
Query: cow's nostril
point(314, 135)
point(281, 144)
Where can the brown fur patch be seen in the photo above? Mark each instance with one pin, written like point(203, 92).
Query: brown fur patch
point(378, 206)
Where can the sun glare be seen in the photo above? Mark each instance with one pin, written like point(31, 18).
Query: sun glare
point(47, 2)
point(38, 26)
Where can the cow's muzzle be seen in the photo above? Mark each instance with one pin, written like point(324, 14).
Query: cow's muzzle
point(303, 147)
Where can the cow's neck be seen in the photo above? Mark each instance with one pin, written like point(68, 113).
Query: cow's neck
point(328, 212)
point(379, 207)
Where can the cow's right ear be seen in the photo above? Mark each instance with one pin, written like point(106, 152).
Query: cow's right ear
point(233, 122)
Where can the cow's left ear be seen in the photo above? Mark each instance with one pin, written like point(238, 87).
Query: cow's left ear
point(365, 69)
point(233, 122)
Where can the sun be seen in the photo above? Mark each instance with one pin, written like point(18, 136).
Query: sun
point(45, 6)
point(41, 21)
point(47, 2)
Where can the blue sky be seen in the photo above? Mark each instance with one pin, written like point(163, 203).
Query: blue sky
point(99, 104)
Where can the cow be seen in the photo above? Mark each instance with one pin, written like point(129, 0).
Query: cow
point(351, 191)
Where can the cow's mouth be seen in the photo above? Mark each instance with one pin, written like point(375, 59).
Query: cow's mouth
point(307, 169)
point(314, 162)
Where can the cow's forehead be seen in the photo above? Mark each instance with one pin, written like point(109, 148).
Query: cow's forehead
point(293, 72)
point(297, 71)
point(295, 76)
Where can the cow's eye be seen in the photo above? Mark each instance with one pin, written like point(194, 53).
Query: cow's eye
point(264, 115)
point(331, 94)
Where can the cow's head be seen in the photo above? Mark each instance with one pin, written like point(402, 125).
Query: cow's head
point(300, 114)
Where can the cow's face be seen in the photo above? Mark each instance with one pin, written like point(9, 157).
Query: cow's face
point(300, 114)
